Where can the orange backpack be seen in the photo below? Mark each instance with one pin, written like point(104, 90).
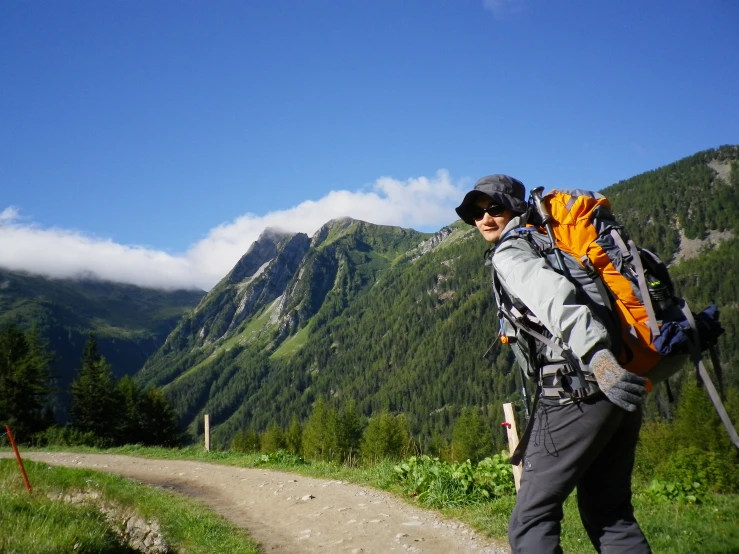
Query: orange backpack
point(631, 281)
point(583, 227)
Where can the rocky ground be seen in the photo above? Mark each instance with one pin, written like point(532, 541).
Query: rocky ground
point(289, 513)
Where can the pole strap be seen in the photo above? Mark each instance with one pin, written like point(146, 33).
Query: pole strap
point(705, 378)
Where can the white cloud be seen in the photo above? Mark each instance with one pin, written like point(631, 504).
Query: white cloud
point(9, 214)
point(501, 8)
point(419, 202)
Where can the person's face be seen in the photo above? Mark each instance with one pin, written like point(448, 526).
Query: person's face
point(491, 219)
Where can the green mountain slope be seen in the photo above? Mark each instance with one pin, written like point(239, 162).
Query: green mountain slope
point(284, 286)
point(686, 199)
point(130, 322)
point(398, 320)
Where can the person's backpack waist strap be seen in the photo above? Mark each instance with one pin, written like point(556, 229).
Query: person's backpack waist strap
point(560, 382)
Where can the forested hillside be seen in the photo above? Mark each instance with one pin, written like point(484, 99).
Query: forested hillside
point(130, 322)
point(691, 198)
point(688, 212)
point(396, 320)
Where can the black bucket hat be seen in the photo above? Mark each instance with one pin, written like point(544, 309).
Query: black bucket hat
point(502, 189)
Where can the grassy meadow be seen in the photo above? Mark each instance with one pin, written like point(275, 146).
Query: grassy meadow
point(38, 524)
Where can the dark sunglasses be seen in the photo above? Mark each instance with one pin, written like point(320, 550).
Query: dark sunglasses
point(493, 211)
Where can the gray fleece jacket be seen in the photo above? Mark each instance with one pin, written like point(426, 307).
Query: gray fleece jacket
point(551, 297)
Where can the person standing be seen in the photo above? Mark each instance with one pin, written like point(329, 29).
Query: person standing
point(587, 411)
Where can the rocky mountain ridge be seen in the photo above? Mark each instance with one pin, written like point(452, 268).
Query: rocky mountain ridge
point(277, 288)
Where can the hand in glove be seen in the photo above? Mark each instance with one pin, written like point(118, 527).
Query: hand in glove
point(625, 389)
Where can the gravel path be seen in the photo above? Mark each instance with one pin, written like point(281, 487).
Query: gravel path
point(289, 513)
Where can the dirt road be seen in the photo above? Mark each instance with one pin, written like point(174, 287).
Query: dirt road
point(292, 514)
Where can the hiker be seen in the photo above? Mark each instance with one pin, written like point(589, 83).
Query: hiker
point(587, 410)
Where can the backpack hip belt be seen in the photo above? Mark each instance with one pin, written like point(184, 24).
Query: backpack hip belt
point(560, 382)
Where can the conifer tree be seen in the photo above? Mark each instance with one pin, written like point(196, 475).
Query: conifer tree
point(273, 438)
point(332, 438)
point(350, 435)
point(471, 438)
point(246, 440)
point(95, 405)
point(129, 430)
point(385, 437)
point(24, 381)
point(314, 434)
point(439, 447)
point(159, 423)
point(294, 437)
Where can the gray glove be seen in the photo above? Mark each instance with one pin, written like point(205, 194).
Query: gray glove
point(625, 389)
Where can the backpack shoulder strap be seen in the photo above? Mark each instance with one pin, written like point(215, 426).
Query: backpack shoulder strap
point(525, 232)
point(631, 251)
point(518, 314)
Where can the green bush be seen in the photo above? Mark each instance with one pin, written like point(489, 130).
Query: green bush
point(655, 444)
point(437, 483)
point(677, 492)
point(713, 471)
point(69, 436)
point(281, 457)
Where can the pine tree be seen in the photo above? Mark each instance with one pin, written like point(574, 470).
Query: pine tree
point(24, 382)
point(159, 423)
point(332, 437)
point(129, 430)
point(294, 437)
point(471, 438)
point(96, 405)
point(385, 437)
point(314, 434)
point(246, 441)
point(350, 435)
point(273, 438)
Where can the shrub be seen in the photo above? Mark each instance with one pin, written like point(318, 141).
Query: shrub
point(712, 471)
point(683, 493)
point(281, 457)
point(69, 436)
point(441, 484)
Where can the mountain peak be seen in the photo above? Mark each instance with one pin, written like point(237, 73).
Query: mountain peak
point(331, 228)
point(273, 233)
point(260, 252)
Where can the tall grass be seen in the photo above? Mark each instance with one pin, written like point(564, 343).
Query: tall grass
point(35, 524)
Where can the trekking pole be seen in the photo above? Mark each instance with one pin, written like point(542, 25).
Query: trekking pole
point(546, 219)
point(525, 395)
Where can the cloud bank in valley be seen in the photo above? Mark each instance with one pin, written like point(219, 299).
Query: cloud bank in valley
point(64, 253)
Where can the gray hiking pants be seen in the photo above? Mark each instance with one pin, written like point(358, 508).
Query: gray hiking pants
point(589, 445)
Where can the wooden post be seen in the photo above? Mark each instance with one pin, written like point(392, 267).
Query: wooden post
point(18, 457)
point(207, 433)
point(512, 430)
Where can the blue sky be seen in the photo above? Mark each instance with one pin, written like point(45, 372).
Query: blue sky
point(151, 142)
